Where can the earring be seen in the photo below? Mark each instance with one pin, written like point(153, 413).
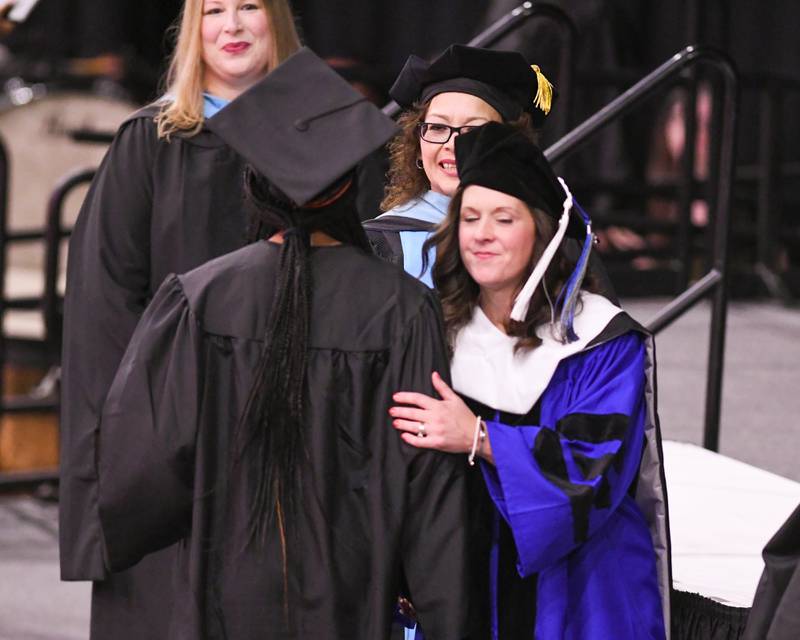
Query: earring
point(419, 163)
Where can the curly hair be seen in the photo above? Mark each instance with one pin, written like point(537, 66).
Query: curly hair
point(406, 180)
point(459, 293)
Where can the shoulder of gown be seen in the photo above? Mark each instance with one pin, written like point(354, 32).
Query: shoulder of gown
point(144, 120)
point(232, 295)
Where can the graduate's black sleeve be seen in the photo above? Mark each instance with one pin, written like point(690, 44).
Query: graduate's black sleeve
point(434, 542)
point(108, 283)
point(148, 431)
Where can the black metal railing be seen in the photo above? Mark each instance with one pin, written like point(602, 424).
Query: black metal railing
point(50, 305)
point(55, 231)
point(4, 175)
point(512, 21)
point(714, 283)
point(770, 175)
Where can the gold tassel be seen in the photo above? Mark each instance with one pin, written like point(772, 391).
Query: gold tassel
point(544, 92)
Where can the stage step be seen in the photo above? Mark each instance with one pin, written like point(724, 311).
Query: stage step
point(722, 513)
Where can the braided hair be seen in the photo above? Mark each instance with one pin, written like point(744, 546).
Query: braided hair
point(270, 436)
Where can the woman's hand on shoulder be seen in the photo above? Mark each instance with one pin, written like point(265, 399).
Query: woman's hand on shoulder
point(446, 424)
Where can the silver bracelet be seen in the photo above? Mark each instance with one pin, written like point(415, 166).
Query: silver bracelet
point(477, 439)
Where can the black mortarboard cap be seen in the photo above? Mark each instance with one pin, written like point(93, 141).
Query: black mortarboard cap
point(503, 79)
point(303, 126)
point(501, 157)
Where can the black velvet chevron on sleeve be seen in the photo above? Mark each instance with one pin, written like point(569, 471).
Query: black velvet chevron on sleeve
point(550, 457)
point(592, 429)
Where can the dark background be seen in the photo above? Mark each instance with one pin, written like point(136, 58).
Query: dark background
point(618, 42)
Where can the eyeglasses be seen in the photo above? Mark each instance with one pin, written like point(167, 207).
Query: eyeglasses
point(439, 133)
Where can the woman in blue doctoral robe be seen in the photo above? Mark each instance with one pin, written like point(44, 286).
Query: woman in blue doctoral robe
point(555, 402)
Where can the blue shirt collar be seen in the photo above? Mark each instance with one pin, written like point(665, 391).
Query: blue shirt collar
point(212, 104)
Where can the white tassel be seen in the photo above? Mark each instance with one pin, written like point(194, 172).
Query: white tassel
point(523, 299)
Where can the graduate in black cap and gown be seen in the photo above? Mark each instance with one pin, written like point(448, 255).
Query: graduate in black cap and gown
point(775, 614)
point(248, 419)
point(554, 405)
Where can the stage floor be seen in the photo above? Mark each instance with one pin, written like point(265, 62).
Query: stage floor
point(760, 421)
point(722, 513)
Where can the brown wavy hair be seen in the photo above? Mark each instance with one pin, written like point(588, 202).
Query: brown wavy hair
point(459, 293)
point(406, 180)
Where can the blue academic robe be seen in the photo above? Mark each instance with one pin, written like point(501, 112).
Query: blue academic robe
point(562, 486)
point(573, 476)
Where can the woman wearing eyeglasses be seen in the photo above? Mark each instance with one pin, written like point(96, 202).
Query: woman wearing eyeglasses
point(465, 87)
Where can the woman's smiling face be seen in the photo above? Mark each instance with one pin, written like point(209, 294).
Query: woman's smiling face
point(456, 110)
point(237, 45)
point(496, 235)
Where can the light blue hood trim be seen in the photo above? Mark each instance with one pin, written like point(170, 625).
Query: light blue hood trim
point(429, 207)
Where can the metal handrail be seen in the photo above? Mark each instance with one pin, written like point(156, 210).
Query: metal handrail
point(512, 21)
point(54, 233)
point(715, 281)
point(50, 305)
point(4, 189)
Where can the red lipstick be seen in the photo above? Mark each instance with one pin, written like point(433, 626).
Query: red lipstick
point(236, 47)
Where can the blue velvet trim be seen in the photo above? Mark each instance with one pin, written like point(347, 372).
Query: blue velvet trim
point(571, 289)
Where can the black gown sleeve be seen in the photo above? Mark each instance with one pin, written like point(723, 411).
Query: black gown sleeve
point(434, 538)
point(146, 445)
point(108, 283)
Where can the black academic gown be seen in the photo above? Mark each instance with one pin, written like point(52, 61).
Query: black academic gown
point(373, 508)
point(153, 208)
point(775, 614)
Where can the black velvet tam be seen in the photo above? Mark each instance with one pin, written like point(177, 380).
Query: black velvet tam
point(302, 127)
point(503, 79)
point(501, 157)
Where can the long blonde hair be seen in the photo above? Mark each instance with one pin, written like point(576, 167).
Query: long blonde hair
point(183, 110)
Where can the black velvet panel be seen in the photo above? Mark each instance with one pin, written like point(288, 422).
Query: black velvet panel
point(516, 597)
point(592, 468)
point(593, 428)
point(550, 457)
point(602, 499)
point(531, 419)
point(384, 235)
point(620, 324)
